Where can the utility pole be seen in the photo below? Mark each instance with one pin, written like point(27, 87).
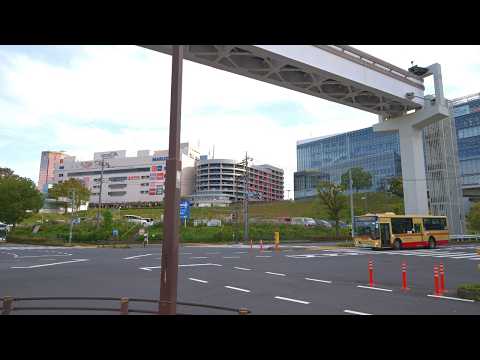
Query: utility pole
point(245, 199)
point(71, 219)
point(171, 229)
point(102, 163)
point(100, 192)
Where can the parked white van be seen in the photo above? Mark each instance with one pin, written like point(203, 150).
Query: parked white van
point(303, 221)
point(138, 220)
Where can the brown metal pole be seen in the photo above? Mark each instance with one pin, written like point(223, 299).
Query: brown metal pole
point(171, 228)
point(7, 305)
point(124, 306)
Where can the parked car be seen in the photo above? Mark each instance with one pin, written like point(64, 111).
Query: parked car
point(341, 224)
point(323, 223)
point(307, 222)
point(214, 222)
point(137, 220)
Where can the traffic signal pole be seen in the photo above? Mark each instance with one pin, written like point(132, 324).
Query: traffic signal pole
point(171, 228)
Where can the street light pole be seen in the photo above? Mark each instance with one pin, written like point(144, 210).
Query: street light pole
point(71, 219)
point(245, 200)
point(100, 192)
point(171, 229)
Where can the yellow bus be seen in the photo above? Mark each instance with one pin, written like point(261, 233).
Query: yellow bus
point(400, 231)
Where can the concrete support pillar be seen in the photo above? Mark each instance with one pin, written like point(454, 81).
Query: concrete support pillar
point(413, 170)
point(410, 128)
point(413, 162)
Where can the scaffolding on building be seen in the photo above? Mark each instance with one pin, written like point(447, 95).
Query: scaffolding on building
point(443, 172)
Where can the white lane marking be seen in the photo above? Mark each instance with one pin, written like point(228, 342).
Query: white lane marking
point(240, 268)
point(199, 257)
point(231, 257)
point(235, 288)
point(207, 264)
point(136, 256)
point(186, 254)
point(198, 280)
point(355, 312)
point(37, 256)
point(272, 273)
point(263, 256)
point(149, 268)
point(322, 281)
point(213, 253)
point(292, 300)
point(373, 288)
point(52, 264)
point(450, 298)
point(241, 252)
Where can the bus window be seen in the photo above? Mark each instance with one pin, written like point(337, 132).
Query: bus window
point(367, 227)
point(402, 225)
point(435, 223)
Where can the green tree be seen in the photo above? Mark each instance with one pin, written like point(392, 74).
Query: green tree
point(395, 186)
point(107, 220)
point(473, 218)
point(66, 188)
point(332, 197)
point(4, 172)
point(17, 195)
point(361, 179)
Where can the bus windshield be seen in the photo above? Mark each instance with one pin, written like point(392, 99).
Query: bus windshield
point(367, 225)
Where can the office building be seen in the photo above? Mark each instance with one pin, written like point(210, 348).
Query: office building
point(129, 181)
point(466, 111)
point(328, 157)
point(220, 182)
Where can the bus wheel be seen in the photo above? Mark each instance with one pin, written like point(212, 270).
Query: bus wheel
point(431, 243)
point(397, 245)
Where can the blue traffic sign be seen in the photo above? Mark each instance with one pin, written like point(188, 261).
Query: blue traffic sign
point(184, 210)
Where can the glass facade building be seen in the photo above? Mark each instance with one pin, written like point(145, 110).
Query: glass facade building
point(327, 158)
point(466, 111)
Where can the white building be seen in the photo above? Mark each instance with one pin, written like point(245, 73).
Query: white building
point(129, 180)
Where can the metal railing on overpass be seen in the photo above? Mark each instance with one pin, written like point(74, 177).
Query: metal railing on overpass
point(9, 305)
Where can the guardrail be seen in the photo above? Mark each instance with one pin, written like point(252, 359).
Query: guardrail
point(465, 237)
point(9, 305)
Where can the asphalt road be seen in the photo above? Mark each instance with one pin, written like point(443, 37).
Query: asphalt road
point(298, 281)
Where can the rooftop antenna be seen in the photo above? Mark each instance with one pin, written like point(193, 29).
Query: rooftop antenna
point(213, 155)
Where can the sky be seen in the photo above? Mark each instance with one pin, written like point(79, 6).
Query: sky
point(84, 99)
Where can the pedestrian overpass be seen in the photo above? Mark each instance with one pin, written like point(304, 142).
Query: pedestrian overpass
point(347, 76)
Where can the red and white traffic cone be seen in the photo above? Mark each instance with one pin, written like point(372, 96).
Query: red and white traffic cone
point(442, 280)
point(435, 277)
point(370, 271)
point(404, 277)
